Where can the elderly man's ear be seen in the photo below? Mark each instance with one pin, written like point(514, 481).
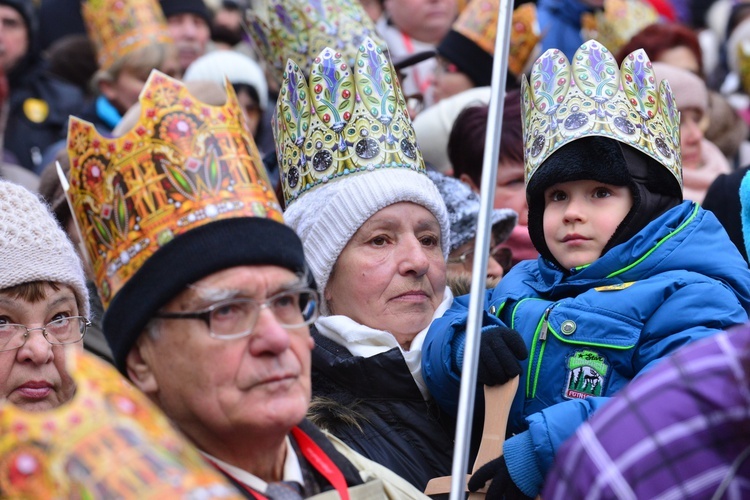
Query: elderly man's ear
point(138, 367)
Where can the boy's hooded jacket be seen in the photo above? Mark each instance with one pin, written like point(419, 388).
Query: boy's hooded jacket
point(592, 330)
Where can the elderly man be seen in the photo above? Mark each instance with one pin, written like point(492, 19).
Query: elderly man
point(190, 26)
point(206, 292)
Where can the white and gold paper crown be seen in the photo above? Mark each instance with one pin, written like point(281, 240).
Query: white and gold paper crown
point(345, 121)
point(563, 102)
point(300, 29)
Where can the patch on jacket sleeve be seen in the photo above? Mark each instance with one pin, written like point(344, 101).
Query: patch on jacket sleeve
point(587, 373)
point(614, 288)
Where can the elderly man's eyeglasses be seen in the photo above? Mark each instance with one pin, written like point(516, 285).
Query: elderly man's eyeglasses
point(59, 332)
point(236, 318)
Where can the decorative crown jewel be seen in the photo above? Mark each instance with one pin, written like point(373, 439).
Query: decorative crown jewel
point(563, 102)
point(118, 27)
point(345, 121)
point(300, 29)
point(108, 441)
point(614, 26)
point(183, 165)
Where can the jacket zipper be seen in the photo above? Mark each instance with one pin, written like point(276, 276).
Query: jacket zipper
point(535, 362)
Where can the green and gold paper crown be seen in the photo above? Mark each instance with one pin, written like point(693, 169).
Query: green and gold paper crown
point(184, 164)
point(563, 102)
point(119, 27)
point(300, 29)
point(620, 20)
point(345, 121)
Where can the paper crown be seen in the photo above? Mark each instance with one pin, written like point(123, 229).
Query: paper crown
point(119, 27)
point(108, 441)
point(300, 29)
point(346, 121)
point(618, 22)
point(478, 23)
point(563, 102)
point(183, 165)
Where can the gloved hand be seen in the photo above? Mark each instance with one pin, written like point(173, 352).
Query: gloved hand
point(502, 485)
point(500, 351)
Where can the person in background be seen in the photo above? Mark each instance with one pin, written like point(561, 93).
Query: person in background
point(39, 102)
point(702, 161)
point(465, 55)
point(622, 257)
point(680, 430)
point(466, 153)
point(209, 316)
point(463, 210)
point(245, 75)
point(190, 27)
point(44, 303)
point(127, 49)
point(412, 26)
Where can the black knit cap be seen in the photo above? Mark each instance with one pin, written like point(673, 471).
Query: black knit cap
point(471, 60)
point(175, 7)
point(188, 258)
point(654, 188)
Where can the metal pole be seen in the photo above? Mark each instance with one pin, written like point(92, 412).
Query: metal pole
point(481, 252)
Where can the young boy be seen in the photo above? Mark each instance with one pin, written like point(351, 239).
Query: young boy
point(627, 272)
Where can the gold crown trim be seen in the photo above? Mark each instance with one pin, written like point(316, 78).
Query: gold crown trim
point(563, 102)
point(300, 29)
point(119, 27)
point(343, 122)
point(183, 165)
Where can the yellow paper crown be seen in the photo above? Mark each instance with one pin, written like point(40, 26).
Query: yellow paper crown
point(563, 102)
point(620, 20)
point(478, 23)
point(109, 441)
point(300, 29)
point(119, 27)
point(346, 121)
point(743, 63)
point(183, 165)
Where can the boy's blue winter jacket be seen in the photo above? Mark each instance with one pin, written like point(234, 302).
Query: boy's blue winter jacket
point(592, 331)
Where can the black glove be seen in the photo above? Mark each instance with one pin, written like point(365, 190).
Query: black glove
point(502, 485)
point(500, 351)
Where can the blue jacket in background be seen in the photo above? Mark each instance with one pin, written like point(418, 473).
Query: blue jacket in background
point(560, 24)
point(590, 332)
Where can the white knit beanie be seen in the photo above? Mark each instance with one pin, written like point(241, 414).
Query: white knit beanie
point(328, 216)
point(239, 68)
point(33, 247)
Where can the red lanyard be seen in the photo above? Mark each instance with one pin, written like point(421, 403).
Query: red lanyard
point(317, 458)
point(421, 86)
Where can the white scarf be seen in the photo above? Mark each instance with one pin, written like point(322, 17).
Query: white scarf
point(366, 342)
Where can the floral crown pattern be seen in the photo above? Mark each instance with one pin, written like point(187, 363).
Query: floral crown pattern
point(300, 29)
point(562, 102)
point(182, 165)
point(119, 27)
point(345, 121)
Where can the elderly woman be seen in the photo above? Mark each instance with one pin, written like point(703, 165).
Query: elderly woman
point(44, 303)
point(376, 234)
